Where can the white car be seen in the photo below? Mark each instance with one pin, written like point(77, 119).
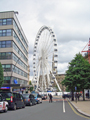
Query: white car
point(3, 105)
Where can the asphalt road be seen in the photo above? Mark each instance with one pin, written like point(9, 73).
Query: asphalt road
point(57, 110)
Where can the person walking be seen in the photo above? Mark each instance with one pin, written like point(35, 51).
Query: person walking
point(50, 98)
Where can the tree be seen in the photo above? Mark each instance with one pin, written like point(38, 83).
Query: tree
point(78, 75)
point(1, 75)
point(31, 88)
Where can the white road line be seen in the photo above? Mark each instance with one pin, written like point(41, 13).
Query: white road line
point(63, 106)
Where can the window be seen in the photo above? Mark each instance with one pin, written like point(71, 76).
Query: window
point(9, 21)
point(0, 56)
point(8, 68)
point(0, 32)
point(3, 55)
point(0, 22)
point(8, 44)
point(3, 44)
point(9, 32)
point(8, 55)
point(4, 22)
point(6, 32)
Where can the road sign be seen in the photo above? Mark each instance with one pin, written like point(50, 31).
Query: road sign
point(75, 88)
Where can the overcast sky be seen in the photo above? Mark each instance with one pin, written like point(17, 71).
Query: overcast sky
point(69, 19)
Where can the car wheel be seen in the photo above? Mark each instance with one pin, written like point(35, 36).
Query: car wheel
point(31, 104)
point(38, 102)
point(24, 106)
point(6, 109)
point(14, 107)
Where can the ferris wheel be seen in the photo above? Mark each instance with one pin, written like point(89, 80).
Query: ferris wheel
point(45, 59)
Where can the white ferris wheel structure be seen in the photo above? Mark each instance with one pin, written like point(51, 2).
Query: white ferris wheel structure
point(45, 59)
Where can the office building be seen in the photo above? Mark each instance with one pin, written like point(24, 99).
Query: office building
point(13, 49)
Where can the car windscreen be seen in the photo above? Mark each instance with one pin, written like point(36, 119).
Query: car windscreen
point(25, 95)
point(35, 94)
point(6, 95)
point(0, 98)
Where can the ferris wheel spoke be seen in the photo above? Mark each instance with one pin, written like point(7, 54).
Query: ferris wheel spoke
point(48, 48)
point(44, 53)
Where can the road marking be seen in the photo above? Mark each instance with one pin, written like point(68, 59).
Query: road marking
point(63, 106)
point(77, 112)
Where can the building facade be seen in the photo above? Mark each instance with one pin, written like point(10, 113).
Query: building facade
point(13, 49)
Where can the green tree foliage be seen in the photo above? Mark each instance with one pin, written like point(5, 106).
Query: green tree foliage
point(31, 88)
point(78, 74)
point(1, 75)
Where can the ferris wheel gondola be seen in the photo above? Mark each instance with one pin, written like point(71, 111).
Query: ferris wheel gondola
point(45, 57)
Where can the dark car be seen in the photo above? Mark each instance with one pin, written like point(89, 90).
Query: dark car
point(29, 99)
point(15, 100)
point(66, 96)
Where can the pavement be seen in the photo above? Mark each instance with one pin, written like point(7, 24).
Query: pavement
point(81, 106)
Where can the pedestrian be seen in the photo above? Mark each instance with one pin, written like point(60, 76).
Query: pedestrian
point(50, 98)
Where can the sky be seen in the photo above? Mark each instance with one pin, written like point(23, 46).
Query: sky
point(69, 19)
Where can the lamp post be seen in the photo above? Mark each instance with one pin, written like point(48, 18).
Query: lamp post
point(12, 71)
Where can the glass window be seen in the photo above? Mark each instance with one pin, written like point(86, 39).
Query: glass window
point(3, 66)
point(9, 21)
point(4, 33)
point(8, 55)
point(0, 32)
point(7, 81)
point(0, 44)
point(8, 44)
point(0, 22)
point(8, 66)
point(3, 44)
point(9, 32)
point(3, 56)
point(4, 21)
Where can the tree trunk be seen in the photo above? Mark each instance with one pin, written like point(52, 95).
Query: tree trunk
point(83, 95)
point(72, 96)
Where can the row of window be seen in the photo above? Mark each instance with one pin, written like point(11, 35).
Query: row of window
point(9, 55)
point(19, 42)
point(5, 55)
point(7, 79)
point(7, 32)
point(7, 21)
point(16, 48)
point(16, 59)
point(10, 21)
point(7, 44)
point(10, 32)
point(8, 67)
point(20, 34)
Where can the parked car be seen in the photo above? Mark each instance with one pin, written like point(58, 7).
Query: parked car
point(44, 96)
point(29, 99)
point(66, 96)
point(3, 105)
point(15, 100)
point(37, 97)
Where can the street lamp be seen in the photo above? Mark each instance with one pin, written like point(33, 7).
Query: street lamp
point(13, 69)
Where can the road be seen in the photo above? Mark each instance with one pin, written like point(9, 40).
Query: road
point(57, 110)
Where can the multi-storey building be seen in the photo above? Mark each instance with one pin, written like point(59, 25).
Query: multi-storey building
point(13, 49)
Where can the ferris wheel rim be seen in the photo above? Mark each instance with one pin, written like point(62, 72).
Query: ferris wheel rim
point(36, 44)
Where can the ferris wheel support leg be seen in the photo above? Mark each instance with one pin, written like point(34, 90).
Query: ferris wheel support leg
point(57, 84)
point(38, 77)
point(48, 77)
